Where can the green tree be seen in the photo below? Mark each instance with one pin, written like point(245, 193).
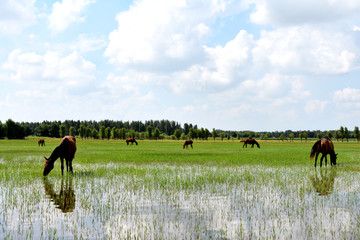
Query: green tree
point(282, 137)
point(149, 131)
point(2, 130)
point(42, 130)
point(291, 136)
point(192, 133)
point(54, 130)
point(213, 133)
point(319, 135)
point(337, 135)
point(95, 134)
point(108, 133)
point(102, 132)
point(301, 135)
point(222, 136)
point(357, 133)
point(72, 131)
point(82, 131)
point(88, 132)
point(346, 134)
point(14, 130)
point(177, 134)
point(305, 136)
point(62, 131)
point(206, 134)
point(329, 134)
point(342, 133)
point(113, 133)
point(156, 133)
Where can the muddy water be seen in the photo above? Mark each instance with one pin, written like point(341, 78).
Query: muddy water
point(192, 202)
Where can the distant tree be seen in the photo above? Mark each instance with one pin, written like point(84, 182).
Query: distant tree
point(183, 136)
point(82, 131)
point(54, 130)
point(88, 132)
point(213, 134)
point(346, 134)
point(192, 133)
point(72, 131)
point(108, 133)
point(222, 136)
point(357, 133)
point(319, 135)
point(102, 132)
point(329, 134)
point(342, 133)
point(305, 135)
point(206, 134)
point(149, 131)
point(95, 134)
point(2, 130)
point(301, 135)
point(282, 137)
point(156, 133)
point(62, 131)
point(177, 134)
point(291, 136)
point(337, 135)
point(14, 130)
point(113, 133)
point(42, 130)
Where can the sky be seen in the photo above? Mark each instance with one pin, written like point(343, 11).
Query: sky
point(261, 65)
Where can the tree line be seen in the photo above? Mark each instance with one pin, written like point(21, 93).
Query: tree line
point(154, 129)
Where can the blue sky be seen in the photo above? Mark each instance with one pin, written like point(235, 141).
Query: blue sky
point(236, 65)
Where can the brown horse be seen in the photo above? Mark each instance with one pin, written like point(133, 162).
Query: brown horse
point(41, 142)
point(251, 142)
point(131, 140)
point(187, 143)
point(66, 149)
point(324, 146)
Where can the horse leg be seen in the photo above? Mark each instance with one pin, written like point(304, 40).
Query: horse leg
point(252, 145)
point(70, 165)
point(67, 164)
point(316, 157)
point(62, 166)
point(325, 161)
point(321, 160)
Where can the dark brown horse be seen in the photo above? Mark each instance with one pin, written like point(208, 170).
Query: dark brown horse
point(251, 142)
point(65, 199)
point(41, 142)
point(324, 146)
point(131, 140)
point(187, 143)
point(66, 149)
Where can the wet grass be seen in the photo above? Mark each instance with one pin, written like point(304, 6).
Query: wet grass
point(157, 190)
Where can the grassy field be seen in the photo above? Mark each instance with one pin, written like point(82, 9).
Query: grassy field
point(157, 190)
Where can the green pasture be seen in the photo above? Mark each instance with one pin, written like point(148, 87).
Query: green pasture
point(26, 157)
point(158, 190)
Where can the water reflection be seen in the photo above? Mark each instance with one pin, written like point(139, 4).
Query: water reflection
point(323, 180)
point(65, 199)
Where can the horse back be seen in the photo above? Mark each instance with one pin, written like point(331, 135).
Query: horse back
point(69, 145)
point(326, 146)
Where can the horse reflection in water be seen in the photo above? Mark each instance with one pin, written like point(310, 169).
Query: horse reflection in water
point(65, 199)
point(323, 183)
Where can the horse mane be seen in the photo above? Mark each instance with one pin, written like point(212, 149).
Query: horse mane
point(314, 148)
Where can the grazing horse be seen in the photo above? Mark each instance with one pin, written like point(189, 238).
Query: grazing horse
point(187, 143)
point(65, 199)
point(66, 149)
point(41, 142)
point(251, 142)
point(131, 140)
point(324, 146)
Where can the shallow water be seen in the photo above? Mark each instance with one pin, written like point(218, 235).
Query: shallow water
point(168, 202)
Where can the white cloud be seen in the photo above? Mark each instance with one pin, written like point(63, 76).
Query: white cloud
point(315, 106)
point(306, 50)
point(29, 68)
point(293, 12)
point(348, 98)
point(160, 34)
point(16, 15)
point(65, 13)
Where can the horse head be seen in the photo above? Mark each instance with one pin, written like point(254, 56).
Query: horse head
point(49, 165)
point(333, 158)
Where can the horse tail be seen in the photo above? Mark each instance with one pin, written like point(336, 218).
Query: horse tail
point(314, 149)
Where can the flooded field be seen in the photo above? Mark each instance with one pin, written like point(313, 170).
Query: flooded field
point(160, 201)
